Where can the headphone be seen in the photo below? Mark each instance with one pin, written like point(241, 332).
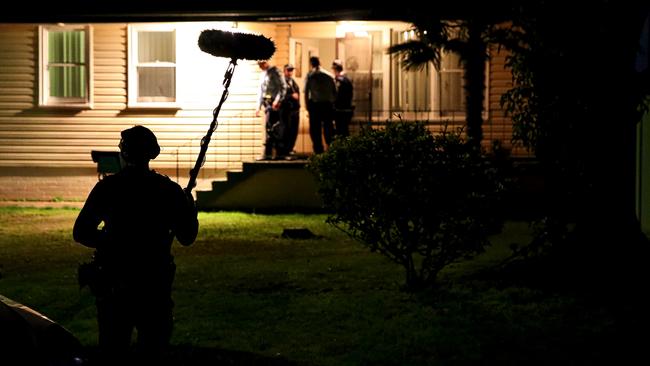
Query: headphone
point(139, 143)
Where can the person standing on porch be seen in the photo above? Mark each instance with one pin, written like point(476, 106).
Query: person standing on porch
point(273, 89)
point(320, 93)
point(291, 111)
point(343, 108)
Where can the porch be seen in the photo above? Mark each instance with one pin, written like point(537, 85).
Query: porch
point(287, 186)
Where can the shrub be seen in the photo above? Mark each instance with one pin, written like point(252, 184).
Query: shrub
point(423, 201)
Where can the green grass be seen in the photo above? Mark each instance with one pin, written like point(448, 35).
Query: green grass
point(242, 289)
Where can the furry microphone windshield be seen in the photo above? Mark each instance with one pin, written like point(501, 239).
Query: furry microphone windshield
point(236, 45)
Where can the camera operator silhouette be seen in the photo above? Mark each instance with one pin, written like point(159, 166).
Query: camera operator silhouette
point(141, 212)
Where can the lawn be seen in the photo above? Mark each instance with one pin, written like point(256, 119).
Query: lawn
point(245, 295)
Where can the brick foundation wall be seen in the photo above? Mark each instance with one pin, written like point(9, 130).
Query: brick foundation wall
point(69, 184)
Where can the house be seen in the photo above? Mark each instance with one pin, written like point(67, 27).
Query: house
point(69, 88)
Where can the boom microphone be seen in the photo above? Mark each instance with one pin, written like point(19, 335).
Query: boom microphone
point(236, 45)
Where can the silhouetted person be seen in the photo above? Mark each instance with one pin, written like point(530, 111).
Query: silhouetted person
point(291, 111)
point(272, 91)
point(141, 212)
point(320, 93)
point(343, 108)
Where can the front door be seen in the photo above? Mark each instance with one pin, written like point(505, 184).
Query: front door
point(355, 51)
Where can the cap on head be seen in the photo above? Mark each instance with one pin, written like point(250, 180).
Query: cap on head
point(337, 65)
point(289, 67)
point(139, 144)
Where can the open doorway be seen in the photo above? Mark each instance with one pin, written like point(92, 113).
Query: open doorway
point(355, 51)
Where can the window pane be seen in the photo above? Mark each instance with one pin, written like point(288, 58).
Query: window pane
point(156, 47)
point(361, 85)
point(418, 87)
point(452, 94)
point(67, 46)
point(377, 91)
point(156, 82)
point(67, 81)
point(377, 71)
point(411, 89)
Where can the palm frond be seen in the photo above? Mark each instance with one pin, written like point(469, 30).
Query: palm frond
point(458, 46)
point(415, 54)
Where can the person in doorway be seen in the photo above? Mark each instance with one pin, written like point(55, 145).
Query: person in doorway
point(273, 89)
point(140, 212)
point(343, 107)
point(291, 111)
point(320, 93)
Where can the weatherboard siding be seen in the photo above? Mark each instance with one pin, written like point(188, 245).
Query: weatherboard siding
point(33, 136)
point(498, 125)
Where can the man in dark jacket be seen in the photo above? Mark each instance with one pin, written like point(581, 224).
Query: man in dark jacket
point(291, 111)
point(141, 212)
point(320, 93)
point(343, 108)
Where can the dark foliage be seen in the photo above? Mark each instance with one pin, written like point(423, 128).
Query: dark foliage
point(575, 107)
point(423, 201)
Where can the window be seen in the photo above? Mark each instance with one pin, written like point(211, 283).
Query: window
point(450, 85)
point(411, 90)
point(152, 66)
point(440, 92)
point(65, 61)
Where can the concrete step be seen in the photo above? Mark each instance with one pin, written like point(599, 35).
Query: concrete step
point(264, 186)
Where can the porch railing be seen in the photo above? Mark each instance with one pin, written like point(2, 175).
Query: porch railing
point(237, 139)
point(437, 121)
point(240, 136)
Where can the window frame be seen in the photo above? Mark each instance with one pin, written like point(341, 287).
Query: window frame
point(438, 88)
point(133, 63)
point(45, 100)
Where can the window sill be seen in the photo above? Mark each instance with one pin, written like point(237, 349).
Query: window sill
point(70, 106)
point(168, 106)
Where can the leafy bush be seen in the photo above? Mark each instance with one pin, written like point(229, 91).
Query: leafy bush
point(423, 201)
